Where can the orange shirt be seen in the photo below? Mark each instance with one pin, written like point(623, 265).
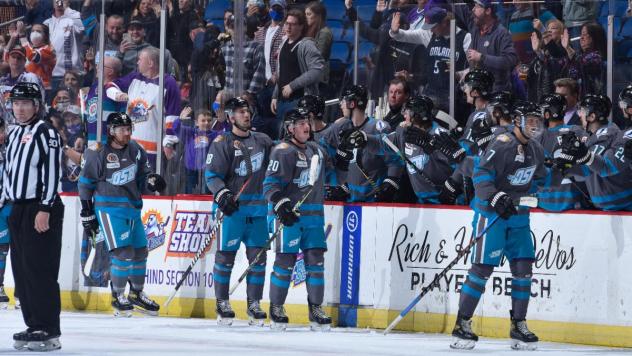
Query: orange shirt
point(41, 62)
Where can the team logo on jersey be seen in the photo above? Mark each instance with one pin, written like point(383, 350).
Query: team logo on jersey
point(237, 144)
point(112, 157)
point(256, 161)
point(92, 110)
point(628, 134)
point(522, 176)
point(123, 176)
point(301, 156)
point(303, 179)
point(138, 109)
point(26, 138)
point(154, 225)
point(419, 161)
point(601, 132)
point(188, 232)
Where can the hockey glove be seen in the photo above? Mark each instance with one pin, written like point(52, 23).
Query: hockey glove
point(337, 193)
point(574, 149)
point(449, 147)
point(343, 157)
point(420, 138)
point(627, 150)
point(502, 203)
point(156, 183)
point(225, 199)
point(353, 138)
point(387, 190)
point(449, 192)
point(284, 211)
point(481, 133)
point(88, 218)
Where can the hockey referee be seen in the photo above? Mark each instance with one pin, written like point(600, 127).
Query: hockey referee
point(31, 181)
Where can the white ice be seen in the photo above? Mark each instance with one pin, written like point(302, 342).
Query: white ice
point(102, 334)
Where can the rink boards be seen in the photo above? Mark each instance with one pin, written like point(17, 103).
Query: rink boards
point(380, 256)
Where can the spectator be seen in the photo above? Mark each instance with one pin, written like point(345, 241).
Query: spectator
point(16, 57)
point(208, 75)
point(180, 19)
point(129, 50)
point(270, 36)
point(546, 67)
point(72, 82)
point(145, 14)
point(111, 71)
point(492, 47)
point(37, 11)
point(253, 64)
point(586, 66)
point(61, 100)
point(40, 55)
point(140, 91)
point(316, 15)
point(435, 37)
point(521, 26)
point(66, 30)
point(72, 122)
point(114, 28)
point(569, 89)
point(229, 19)
point(577, 13)
point(398, 93)
point(300, 66)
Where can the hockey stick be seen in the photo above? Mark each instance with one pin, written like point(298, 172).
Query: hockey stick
point(313, 175)
point(209, 237)
point(87, 267)
point(392, 146)
point(524, 201)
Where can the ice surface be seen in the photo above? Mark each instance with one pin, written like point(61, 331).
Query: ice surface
point(102, 334)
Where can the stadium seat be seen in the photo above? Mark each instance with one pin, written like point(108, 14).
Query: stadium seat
point(341, 50)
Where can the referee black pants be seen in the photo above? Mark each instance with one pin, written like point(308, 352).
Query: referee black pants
point(35, 261)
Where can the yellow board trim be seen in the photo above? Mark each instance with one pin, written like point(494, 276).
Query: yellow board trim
point(555, 331)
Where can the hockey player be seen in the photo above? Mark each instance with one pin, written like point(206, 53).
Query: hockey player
point(110, 187)
point(368, 179)
point(313, 106)
point(566, 195)
point(238, 159)
point(477, 86)
point(286, 183)
point(5, 211)
point(602, 158)
point(504, 173)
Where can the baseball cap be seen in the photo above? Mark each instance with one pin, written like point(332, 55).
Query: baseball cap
point(278, 2)
point(484, 3)
point(72, 109)
point(433, 16)
point(135, 22)
point(19, 50)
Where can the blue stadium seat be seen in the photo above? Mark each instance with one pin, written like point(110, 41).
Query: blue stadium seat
point(365, 12)
point(341, 50)
point(215, 9)
point(335, 9)
point(365, 48)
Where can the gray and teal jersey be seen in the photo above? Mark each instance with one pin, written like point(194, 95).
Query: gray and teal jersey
point(507, 165)
point(227, 167)
point(115, 178)
point(566, 195)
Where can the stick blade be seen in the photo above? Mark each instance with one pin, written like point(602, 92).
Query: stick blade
point(314, 169)
point(531, 202)
point(87, 268)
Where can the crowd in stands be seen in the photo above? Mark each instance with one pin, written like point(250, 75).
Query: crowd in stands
point(288, 50)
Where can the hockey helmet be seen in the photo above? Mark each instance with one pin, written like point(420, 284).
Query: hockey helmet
point(555, 105)
point(600, 105)
point(625, 98)
point(420, 108)
point(26, 91)
point(357, 95)
point(313, 104)
point(502, 100)
point(234, 104)
point(117, 119)
point(480, 80)
point(529, 120)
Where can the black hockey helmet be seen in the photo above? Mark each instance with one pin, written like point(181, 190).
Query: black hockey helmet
point(234, 104)
point(420, 107)
point(314, 104)
point(625, 98)
point(555, 105)
point(524, 119)
point(26, 90)
point(502, 100)
point(291, 117)
point(600, 105)
point(356, 94)
point(480, 80)
point(117, 119)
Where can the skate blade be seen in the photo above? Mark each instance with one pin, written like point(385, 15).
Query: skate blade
point(314, 326)
point(48, 345)
point(224, 321)
point(462, 344)
point(278, 326)
point(122, 313)
point(521, 345)
point(20, 344)
point(146, 312)
point(256, 322)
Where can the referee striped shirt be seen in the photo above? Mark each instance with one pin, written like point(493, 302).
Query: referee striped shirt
point(32, 168)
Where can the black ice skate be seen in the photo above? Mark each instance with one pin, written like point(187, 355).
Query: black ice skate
point(121, 305)
point(318, 320)
point(4, 299)
point(256, 315)
point(225, 313)
point(521, 337)
point(278, 318)
point(20, 340)
point(142, 303)
point(464, 337)
point(42, 341)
